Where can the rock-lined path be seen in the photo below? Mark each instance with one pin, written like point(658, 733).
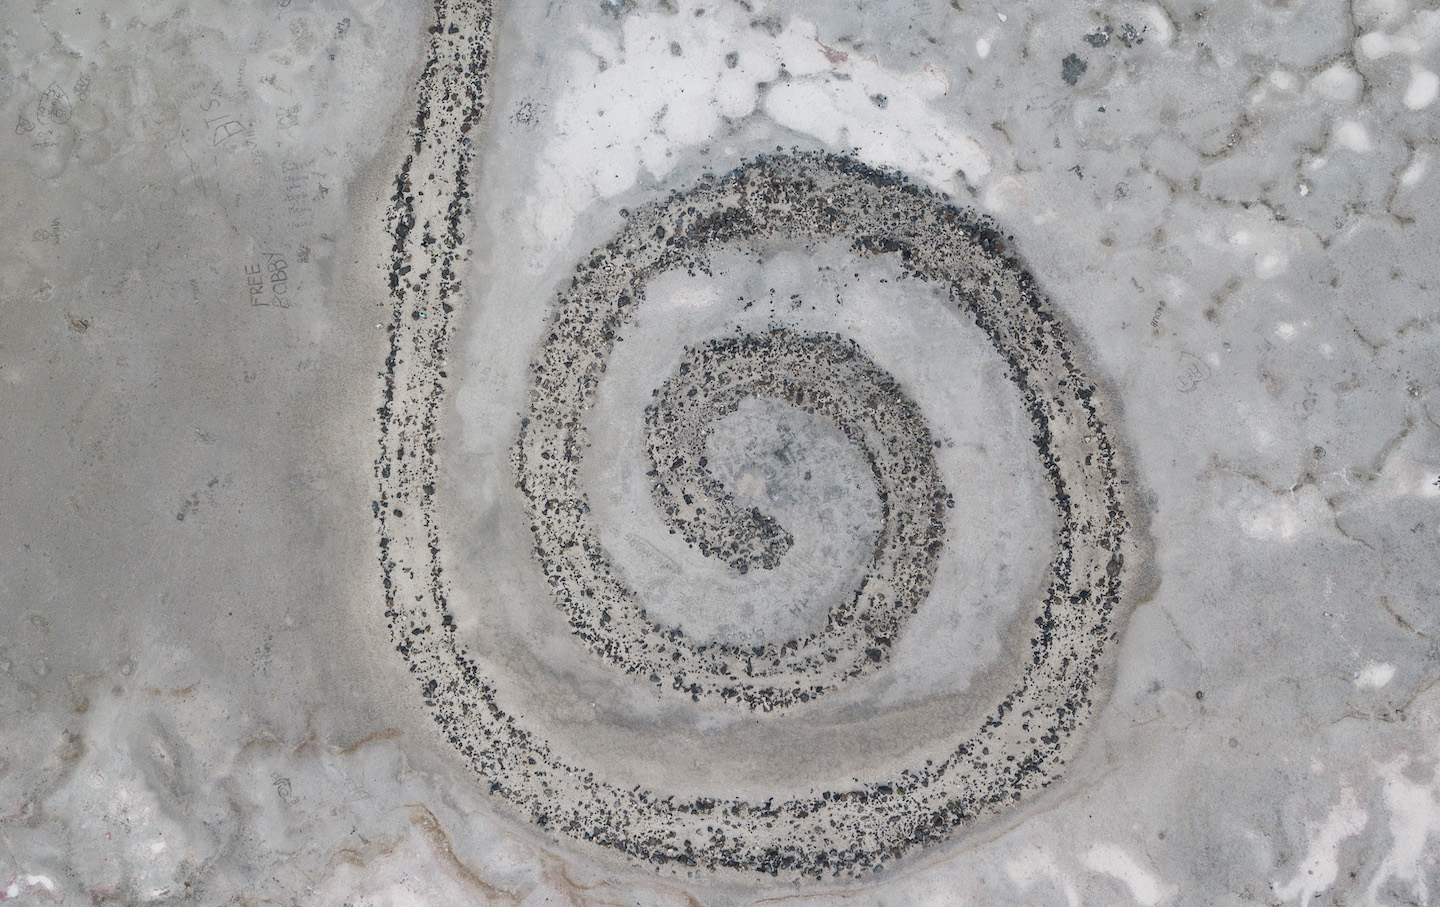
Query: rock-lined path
point(1021, 742)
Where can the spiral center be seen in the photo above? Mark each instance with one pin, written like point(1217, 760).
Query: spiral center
point(817, 373)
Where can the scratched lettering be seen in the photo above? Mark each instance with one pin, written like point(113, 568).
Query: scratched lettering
point(255, 282)
point(296, 178)
point(55, 106)
point(276, 265)
point(267, 282)
point(48, 236)
point(1192, 372)
point(222, 126)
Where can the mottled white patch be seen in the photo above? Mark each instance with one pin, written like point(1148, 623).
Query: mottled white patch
point(1378, 10)
point(1419, 166)
point(1353, 136)
point(1318, 870)
point(1288, 517)
point(1145, 886)
point(1415, 38)
point(1422, 90)
point(31, 882)
point(1009, 193)
point(1270, 264)
point(1265, 244)
point(1408, 473)
point(667, 83)
point(1414, 819)
point(1374, 676)
point(1158, 25)
point(1338, 83)
point(1379, 45)
point(902, 132)
point(1032, 865)
point(1283, 80)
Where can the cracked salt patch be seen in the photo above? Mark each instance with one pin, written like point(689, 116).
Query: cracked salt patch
point(632, 105)
point(1375, 676)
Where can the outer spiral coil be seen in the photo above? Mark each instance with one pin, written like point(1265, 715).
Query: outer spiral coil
point(1016, 747)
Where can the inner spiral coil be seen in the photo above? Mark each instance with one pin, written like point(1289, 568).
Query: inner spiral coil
point(818, 373)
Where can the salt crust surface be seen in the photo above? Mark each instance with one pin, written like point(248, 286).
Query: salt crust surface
point(202, 706)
